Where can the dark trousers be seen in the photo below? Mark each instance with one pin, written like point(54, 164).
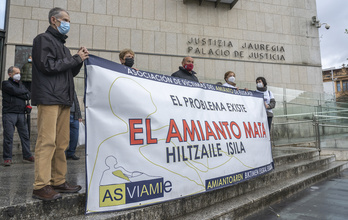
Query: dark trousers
point(74, 135)
point(10, 121)
point(269, 123)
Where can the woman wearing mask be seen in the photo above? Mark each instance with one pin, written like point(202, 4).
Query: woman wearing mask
point(261, 87)
point(127, 58)
point(230, 80)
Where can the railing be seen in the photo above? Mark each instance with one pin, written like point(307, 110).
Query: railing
point(310, 127)
point(305, 117)
point(340, 124)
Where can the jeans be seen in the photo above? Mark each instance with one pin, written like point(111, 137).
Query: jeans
point(10, 121)
point(74, 135)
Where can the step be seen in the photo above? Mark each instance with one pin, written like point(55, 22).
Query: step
point(327, 199)
point(30, 208)
point(292, 154)
point(247, 204)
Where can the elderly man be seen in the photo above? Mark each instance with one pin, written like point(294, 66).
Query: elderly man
point(53, 93)
point(14, 95)
point(186, 70)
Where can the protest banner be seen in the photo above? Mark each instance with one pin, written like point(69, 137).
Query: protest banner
point(152, 138)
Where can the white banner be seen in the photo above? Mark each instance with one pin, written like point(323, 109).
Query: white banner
point(152, 138)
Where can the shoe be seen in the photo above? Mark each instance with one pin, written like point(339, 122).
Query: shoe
point(30, 159)
point(7, 163)
point(46, 193)
point(67, 188)
point(73, 157)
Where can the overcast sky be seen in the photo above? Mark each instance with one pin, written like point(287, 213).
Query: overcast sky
point(333, 42)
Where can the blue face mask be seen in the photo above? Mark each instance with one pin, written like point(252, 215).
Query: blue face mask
point(64, 27)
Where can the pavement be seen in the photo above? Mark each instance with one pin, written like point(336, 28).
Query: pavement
point(325, 200)
point(16, 181)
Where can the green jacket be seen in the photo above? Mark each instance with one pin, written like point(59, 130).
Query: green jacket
point(26, 72)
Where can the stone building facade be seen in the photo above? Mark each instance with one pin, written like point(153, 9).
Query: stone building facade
point(270, 38)
point(336, 81)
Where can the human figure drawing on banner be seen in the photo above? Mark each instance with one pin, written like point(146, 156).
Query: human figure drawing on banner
point(115, 174)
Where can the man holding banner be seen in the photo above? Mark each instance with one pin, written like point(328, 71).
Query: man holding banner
point(186, 70)
point(53, 93)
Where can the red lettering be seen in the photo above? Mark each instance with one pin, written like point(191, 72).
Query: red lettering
point(149, 139)
point(248, 130)
point(234, 134)
point(133, 131)
point(171, 134)
point(256, 130)
point(226, 126)
point(209, 132)
point(190, 132)
point(200, 128)
point(263, 130)
point(219, 130)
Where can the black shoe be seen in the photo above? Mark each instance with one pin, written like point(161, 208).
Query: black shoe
point(73, 157)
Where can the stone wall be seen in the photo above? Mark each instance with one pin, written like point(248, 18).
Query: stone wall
point(161, 32)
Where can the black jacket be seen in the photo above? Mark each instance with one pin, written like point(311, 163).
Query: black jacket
point(14, 96)
point(184, 74)
point(53, 70)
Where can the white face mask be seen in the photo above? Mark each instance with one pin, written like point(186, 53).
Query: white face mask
point(17, 77)
point(259, 85)
point(231, 79)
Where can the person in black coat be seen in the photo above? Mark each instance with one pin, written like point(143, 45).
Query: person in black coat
point(14, 95)
point(186, 70)
point(52, 90)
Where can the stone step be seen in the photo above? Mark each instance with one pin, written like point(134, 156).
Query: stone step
point(247, 204)
point(285, 155)
point(286, 179)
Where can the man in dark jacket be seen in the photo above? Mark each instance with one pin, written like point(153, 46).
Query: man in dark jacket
point(186, 70)
point(14, 95)
point(53, 92)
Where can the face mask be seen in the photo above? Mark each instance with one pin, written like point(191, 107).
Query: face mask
point(189, 67)
point(64, 27)
point(231, 79)
point(29, 60)
point(129, 62)
point(259, 85)
point(16, 77)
